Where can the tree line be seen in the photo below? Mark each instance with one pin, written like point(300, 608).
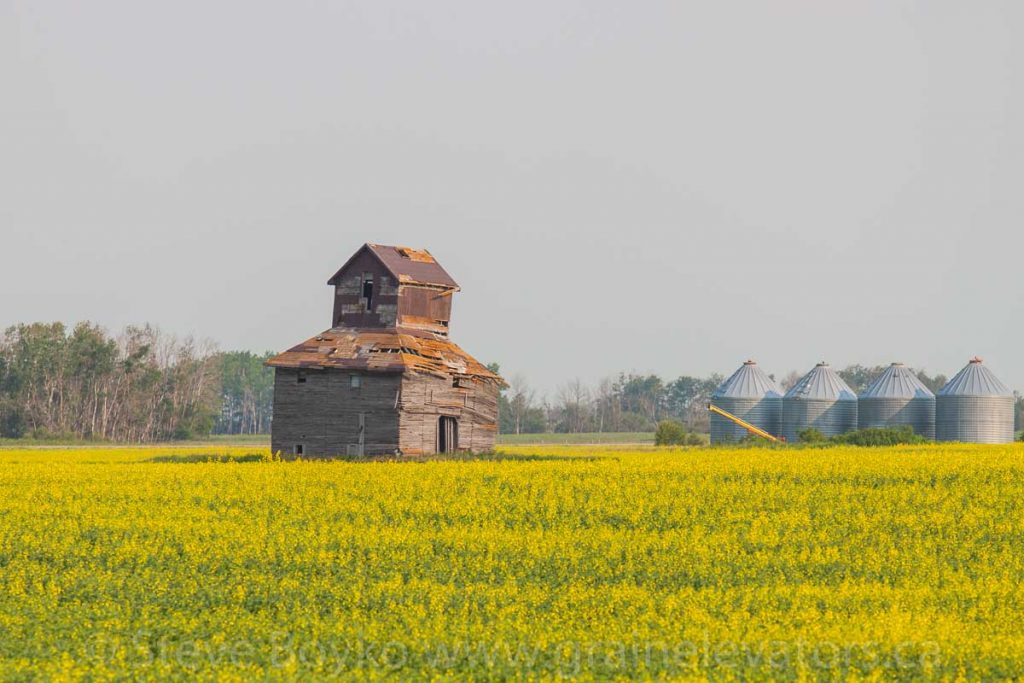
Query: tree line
point(139, 386)
point(630, 402)
point(143, 385)
point(627, 402)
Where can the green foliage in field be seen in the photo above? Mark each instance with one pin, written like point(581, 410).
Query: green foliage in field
point(811, 435)
point(673, 433)
point(872, 436)
point(880, 436)
point(670, 433)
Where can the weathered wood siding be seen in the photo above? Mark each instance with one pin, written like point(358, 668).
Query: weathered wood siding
point(426, 398)
point(427, 308)
point(323, 412)
point(348, 300)
point(422, 307)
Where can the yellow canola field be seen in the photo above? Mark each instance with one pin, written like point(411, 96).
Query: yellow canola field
point(548, 562)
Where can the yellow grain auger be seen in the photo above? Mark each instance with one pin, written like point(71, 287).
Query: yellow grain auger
point(743, 423)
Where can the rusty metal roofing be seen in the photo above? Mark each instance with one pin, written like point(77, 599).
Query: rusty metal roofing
point(975, 380)
point(383, 350)
point(407, 265)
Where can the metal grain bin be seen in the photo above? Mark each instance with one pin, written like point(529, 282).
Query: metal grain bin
point(974, 407)
point(822, 400)
point(751, 395)
point(897, 398)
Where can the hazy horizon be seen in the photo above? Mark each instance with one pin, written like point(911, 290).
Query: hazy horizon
point(671, 187)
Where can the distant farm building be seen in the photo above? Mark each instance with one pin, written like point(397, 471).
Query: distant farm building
point(385, 378)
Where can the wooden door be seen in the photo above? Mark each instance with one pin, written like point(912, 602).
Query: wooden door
point(447, 434)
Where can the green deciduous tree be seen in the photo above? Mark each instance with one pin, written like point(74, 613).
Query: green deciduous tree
point(247, 393)
point(141, 386)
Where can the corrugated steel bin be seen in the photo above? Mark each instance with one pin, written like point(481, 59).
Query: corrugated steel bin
point(975, 407)
point(897, 398)
point(822, 400)
point(750, 395)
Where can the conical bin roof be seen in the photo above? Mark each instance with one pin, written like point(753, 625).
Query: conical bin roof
point(975, 380)
point(898, 381)
point(821, 384)
point(750, 381)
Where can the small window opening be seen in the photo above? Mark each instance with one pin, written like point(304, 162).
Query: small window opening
point(300, 378)
point(368, 291)
point(299, 449)
point(356, 381)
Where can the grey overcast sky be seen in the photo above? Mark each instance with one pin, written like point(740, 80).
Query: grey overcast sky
point(653, 186)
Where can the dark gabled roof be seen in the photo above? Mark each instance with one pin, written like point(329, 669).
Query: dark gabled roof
point(408, 266)
point(384, 350)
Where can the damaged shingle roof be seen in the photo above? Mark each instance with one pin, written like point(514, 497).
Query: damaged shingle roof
point(407, 265)
point(383, 350)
